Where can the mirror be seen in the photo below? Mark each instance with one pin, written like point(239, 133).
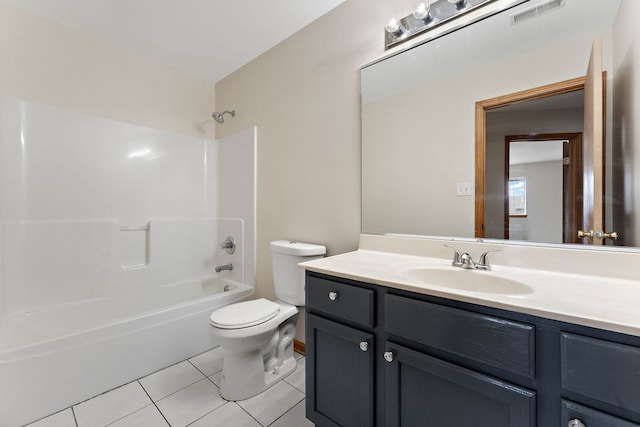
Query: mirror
point(418, 117)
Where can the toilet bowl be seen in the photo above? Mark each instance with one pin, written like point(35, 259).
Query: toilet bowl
point(257, 335)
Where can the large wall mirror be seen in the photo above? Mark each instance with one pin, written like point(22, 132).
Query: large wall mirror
point(419, 128)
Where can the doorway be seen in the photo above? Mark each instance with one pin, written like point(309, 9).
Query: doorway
point(523, 109)
point(543, 187)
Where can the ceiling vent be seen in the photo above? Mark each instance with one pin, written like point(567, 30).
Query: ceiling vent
point(537, 10)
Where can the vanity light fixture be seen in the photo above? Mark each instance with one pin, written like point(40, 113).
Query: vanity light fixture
point(429, 14)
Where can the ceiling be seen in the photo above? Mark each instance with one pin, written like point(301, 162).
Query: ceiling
point(206, 38)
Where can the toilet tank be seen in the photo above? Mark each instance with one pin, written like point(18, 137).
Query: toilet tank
point(288, 279)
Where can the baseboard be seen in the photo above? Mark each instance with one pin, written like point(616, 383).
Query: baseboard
point(299, 347)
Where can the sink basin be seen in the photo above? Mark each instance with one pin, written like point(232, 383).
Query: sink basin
point(467, 280)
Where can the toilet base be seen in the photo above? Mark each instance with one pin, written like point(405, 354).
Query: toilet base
point(248, 373)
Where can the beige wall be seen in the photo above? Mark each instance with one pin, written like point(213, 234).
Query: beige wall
point(48, 63)
point(304, 97)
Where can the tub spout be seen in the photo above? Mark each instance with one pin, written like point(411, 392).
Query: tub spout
point(224, 267)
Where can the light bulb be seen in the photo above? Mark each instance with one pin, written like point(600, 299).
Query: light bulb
point(421, 10)
point(459, 3)
point(392, 26)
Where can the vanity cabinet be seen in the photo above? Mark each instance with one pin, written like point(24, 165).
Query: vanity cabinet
point(342, 355)
point(380, 356)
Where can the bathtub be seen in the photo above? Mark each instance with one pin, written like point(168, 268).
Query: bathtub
point(50, 361)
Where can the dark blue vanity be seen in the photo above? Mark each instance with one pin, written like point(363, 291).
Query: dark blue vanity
point(379, 356)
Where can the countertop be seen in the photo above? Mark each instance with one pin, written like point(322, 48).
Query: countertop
point(609, 303)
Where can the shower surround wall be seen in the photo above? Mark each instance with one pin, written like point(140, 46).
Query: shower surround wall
point(103, 222)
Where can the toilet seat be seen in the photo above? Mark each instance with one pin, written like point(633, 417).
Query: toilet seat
point(244, 314)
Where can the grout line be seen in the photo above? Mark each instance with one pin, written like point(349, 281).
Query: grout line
point(73, 412)
point(154, 404)
point(198, 369)
point(287, 411)
point(226, 402)
point(248, 413)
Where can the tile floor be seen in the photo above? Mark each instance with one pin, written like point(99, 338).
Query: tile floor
point(187, 394)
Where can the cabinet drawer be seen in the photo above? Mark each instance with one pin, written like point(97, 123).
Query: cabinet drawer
point(497, 342)
point(426, 391)
point(601, 370)
point(343, 301)
point(590, 417)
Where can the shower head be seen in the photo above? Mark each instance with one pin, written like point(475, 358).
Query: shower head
point(219, 117)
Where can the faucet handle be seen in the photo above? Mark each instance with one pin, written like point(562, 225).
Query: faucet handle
point(483, 262)
point(229, 245)
point(457, 261)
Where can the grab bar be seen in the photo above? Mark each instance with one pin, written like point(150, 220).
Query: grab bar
point(134, 227)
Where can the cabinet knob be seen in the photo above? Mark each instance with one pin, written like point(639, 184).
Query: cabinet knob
point(576, 423)
point(388, 356)
point(364, 346)
point(333, 295)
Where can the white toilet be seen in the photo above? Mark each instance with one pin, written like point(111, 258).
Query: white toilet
point(257, 335)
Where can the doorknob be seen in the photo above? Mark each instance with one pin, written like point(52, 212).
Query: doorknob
point(583, 234)
point(597, 234)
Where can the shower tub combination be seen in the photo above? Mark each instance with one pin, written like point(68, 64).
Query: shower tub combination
point(109, 238)
point(76, 323)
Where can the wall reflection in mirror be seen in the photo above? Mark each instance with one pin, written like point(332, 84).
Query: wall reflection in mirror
point(419, 127)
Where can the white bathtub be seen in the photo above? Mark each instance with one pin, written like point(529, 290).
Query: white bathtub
point(49, 360)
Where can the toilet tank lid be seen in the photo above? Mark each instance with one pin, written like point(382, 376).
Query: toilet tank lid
point(297, 248)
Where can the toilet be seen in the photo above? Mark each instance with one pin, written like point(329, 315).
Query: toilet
point(257, 335)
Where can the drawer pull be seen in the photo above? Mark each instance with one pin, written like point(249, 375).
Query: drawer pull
point(364, 346)
point(388, 356)
point(576, 423)
point(333, 295)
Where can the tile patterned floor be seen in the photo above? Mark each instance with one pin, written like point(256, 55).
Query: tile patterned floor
point(187, 394)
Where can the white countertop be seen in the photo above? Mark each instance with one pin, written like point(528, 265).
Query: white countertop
point(609, 303)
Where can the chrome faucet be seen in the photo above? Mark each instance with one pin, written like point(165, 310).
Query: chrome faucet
point(467, 262)
point(224, 267)
point(464, 260)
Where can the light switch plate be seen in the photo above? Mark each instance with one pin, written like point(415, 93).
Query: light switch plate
point(463, 189)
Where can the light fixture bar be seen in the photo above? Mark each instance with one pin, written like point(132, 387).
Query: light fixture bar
point(439, 12)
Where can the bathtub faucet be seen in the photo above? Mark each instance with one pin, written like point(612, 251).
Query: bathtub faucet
point(224, 267)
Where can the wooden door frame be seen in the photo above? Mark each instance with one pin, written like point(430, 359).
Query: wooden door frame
point(482, 107)
point(571, 177)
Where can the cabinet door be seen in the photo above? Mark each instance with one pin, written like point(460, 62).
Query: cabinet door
point(428, 392)
point(601, 373)
point(339, 374)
